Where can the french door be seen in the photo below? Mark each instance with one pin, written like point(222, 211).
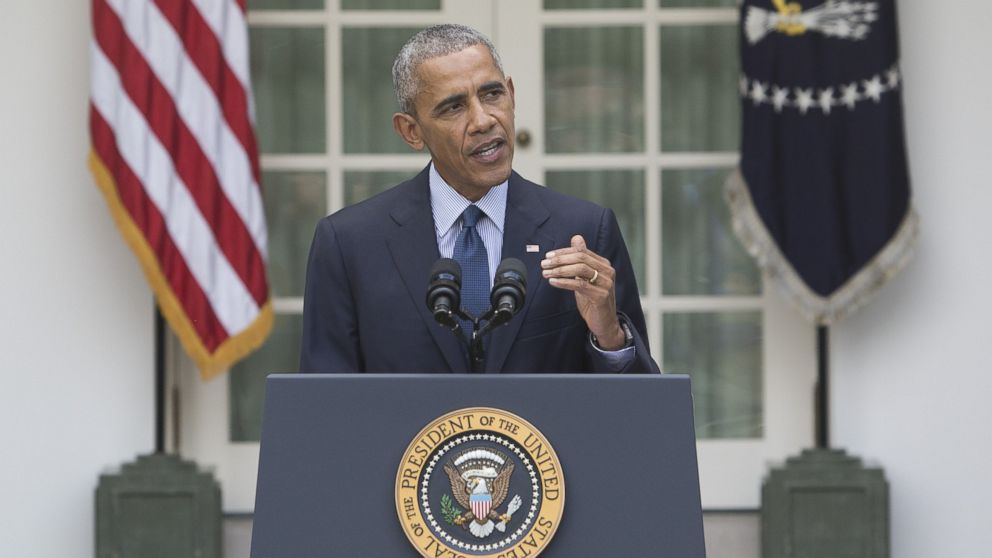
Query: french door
point(629, 103)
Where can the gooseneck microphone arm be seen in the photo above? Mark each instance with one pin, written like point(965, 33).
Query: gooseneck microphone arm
point(506, 299)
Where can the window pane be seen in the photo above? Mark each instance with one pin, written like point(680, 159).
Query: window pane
point(361, 185)
point(697, 3)
point(390, 4)
point(699, 81)
point(587, 4)
point(287, 68)
point(369, 103)
point(594, 89)
point(294, 202)
point(700, 254)
point(285, 4)
point(280, 353)
point(722, 354)
point(620, 190)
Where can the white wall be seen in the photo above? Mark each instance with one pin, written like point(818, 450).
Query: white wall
point(76, 371)
point(912, 371)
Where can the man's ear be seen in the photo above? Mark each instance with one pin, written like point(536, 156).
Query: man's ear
point(509, 86)
point(408, 129)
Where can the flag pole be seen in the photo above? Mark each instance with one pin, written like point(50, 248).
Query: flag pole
point(159, 381)
point(822, 387)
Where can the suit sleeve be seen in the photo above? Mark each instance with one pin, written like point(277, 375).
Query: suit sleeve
point(610, 245)
point(330, 326)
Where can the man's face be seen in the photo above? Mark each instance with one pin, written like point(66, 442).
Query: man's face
point(464, 115)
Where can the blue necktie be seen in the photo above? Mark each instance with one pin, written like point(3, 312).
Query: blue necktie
point(471, 254)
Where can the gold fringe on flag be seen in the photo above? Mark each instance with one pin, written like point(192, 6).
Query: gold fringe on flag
point(856, 292)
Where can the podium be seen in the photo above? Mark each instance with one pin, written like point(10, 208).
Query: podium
point(332, 447)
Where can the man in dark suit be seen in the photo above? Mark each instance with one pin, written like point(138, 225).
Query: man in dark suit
point(364, 308)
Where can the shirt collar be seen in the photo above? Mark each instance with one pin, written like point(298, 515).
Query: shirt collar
point(448, 205)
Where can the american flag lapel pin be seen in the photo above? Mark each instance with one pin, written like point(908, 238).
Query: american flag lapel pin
point(532, 248)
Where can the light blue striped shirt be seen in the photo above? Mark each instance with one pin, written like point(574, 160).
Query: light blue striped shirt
point(447, 205)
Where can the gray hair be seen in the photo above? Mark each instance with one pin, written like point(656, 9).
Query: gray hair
point(433, 42)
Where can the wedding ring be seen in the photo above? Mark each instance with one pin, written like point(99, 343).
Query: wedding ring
point(594, 277)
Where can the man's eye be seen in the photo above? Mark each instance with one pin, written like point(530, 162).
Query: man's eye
point(493, 94)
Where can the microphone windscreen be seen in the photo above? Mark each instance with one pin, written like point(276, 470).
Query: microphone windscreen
point(446, 269)
point(509, 285)
point(512, 269)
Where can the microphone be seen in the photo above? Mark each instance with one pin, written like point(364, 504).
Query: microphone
point(444, 292)
point(509, 290)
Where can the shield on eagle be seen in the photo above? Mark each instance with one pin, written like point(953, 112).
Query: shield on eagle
point(481, 504)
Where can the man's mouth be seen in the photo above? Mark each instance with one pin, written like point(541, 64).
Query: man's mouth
point(489, 151)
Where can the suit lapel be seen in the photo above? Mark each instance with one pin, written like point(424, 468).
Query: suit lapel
point(525, 213)
point(413, 244)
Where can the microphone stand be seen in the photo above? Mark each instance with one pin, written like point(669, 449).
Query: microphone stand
point(493, 318)
point(476, 351)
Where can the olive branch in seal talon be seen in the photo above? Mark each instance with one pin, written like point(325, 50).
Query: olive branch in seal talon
point(834, 18)
point(449, 511)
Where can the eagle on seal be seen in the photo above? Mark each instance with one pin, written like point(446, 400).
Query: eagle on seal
point(480, 488)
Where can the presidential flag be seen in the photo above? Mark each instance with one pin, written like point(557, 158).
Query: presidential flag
point(174, 153)
point(822, 196)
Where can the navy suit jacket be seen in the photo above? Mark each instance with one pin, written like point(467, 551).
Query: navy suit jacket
point(365, 302)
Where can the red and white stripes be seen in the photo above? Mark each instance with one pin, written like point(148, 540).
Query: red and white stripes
point(175, 154)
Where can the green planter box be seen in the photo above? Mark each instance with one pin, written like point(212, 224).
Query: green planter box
point(158, 507)
point(825, 504)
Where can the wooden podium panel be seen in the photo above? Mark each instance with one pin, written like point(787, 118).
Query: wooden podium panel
point(332, 444)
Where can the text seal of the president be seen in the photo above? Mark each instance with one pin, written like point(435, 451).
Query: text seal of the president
point(480, 482)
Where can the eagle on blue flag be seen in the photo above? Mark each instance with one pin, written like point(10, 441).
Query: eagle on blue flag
point(822, 196)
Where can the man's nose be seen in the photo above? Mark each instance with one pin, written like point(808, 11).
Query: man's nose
point(480, 118)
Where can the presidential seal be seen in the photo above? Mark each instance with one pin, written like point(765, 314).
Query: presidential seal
point(480, 482)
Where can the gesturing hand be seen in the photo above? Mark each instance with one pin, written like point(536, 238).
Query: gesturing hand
point(593, 280)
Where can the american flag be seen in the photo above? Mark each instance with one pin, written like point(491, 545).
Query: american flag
point(174, 153)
